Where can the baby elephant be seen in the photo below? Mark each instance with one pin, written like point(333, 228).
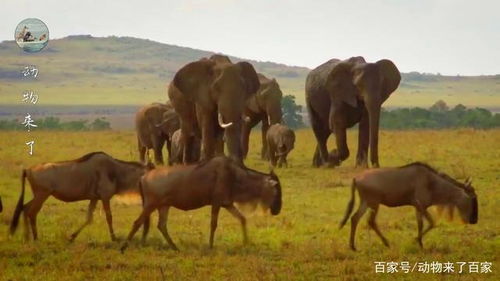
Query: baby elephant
point(280, 140)
point(178, 148)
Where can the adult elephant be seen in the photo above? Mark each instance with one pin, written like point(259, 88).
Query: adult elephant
point(340, 94)
point(210, 96)
point(155, 124)
point(264, 106)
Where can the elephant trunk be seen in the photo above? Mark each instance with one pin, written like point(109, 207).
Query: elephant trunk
point(233, 141)
point(221, 122)
point(374, 117)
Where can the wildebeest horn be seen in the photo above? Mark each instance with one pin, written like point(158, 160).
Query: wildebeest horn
point(222, 124)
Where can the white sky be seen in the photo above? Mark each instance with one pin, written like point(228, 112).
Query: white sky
point(447, 36)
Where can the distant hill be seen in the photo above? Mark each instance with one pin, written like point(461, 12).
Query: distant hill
point(130, 71)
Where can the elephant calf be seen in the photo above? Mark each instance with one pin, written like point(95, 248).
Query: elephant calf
point(177, 148)
point(280, 141)
point(155, 124)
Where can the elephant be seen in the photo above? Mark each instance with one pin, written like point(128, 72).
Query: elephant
point(340, 94)
point(280, 141)
point(210, 96)
point(155, 123)
point(264, 106)
point(177, 148)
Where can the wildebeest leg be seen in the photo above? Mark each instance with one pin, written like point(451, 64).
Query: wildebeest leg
point(237, 214)
point(109, 218)
point(213, 223)
point(90, 214)
point(420, 224)
point(363, 141)
point(430, 220)
point(34, 207)
point(354, 221)
point(162, 225)
point(146, 212)
point(145, 229)
point(372, 223)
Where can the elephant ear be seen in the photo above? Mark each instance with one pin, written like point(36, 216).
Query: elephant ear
point(390, 77)
point(340, 83)
point(250, 78)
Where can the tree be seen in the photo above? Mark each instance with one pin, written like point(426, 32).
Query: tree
point(439, 106)
point(291, 112)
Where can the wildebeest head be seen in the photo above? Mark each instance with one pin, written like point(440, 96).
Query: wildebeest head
point(128, 174)
point(468, 206)
point(271, 193)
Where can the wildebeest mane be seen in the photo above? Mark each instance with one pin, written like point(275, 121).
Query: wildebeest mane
point(91, 154)
point(444, 176)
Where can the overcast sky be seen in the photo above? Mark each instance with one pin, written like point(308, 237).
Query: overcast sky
point(446, 36)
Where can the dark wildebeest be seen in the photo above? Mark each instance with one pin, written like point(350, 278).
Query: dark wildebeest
point(416, 184)
point(95, 176)
point(1, 206)
point(218, 182)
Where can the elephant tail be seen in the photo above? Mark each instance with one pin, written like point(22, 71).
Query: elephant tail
point(20, 205)
point(350, 205)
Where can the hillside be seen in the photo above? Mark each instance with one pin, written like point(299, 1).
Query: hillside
point(130, 71)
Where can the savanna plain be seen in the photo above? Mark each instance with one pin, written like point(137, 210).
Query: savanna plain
point(302, 243)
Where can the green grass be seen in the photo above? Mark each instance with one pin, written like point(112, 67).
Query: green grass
point(301, 243)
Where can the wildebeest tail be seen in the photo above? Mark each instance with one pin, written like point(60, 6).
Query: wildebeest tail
point(350, 205)
point(20, 205)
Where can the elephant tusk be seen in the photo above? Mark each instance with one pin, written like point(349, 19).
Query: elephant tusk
point(222, 124)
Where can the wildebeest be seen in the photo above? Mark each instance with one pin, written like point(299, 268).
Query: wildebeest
point(416, 184)
point(95, 176)
point(1, 206)
point(218, 182)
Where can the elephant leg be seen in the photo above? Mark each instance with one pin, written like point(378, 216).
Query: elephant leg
point(142, 150)
point(363, 141)
point(265, 127)
point(272, 154)
point(321, 133)
point(207, 135)
point(169, 150)
point(157, 147)
point(342, 152)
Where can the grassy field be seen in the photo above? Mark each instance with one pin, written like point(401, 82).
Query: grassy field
point(301, 243)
